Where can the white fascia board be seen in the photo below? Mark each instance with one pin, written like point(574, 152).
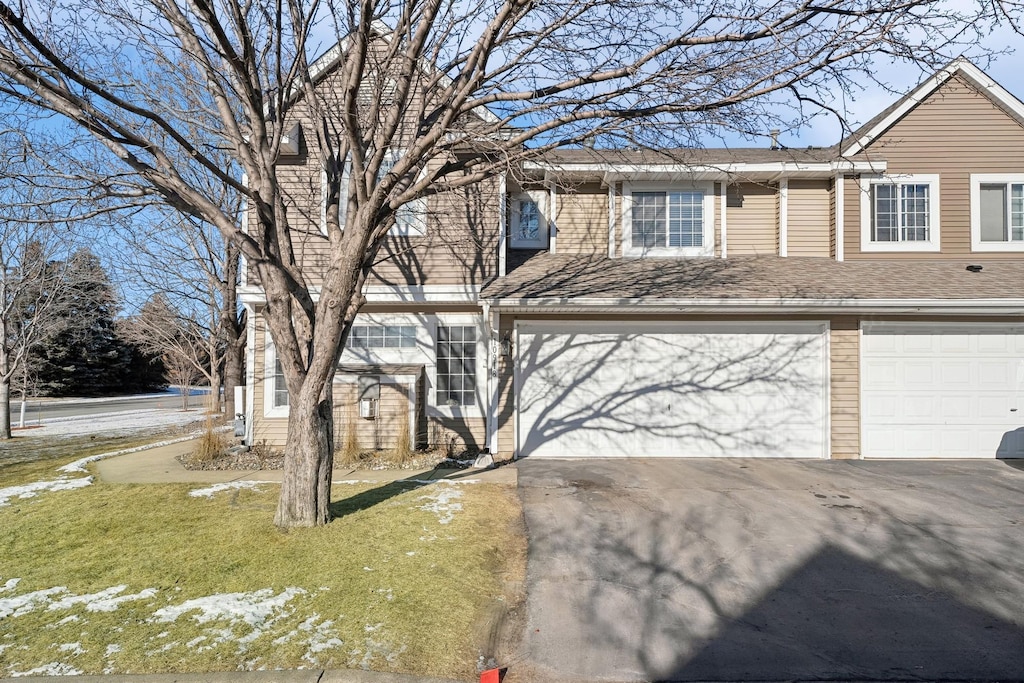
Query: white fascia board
point(769, 170)
point(385, 294)
point(958, 65)
point(971, 307)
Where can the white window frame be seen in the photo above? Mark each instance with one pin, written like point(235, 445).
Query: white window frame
point(410, 219)
point(540, 198)
point(932, 244)
point(270, 380)
point(977, 180)
point(708, 208)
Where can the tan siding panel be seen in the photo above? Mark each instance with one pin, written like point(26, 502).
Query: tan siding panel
point(844, 351)
point(582, 219)
point(809, 218)
point(955, 132)
point(752, 227)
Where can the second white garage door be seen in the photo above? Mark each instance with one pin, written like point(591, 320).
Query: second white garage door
point(650, 389)
point(942, 391)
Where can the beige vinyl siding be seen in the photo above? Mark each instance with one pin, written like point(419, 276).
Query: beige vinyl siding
point(844, 360)
point(581, 215)
point(506, 400)
point(832, 221)
point(955, 132)
point(461, 241)
point(809, 218)
point(752, 227)
point(274, 431)
point(376, 434)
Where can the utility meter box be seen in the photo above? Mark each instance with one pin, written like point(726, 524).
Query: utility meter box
point(368, 388)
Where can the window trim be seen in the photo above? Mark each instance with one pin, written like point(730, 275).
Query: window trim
point(416, 226)
point(977, 180)
point(934, 242)
point(708, 206)
point(540, 198)
point(270, 380)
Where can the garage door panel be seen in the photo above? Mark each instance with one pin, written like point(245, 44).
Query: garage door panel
point(947, 391)
point(699, 392)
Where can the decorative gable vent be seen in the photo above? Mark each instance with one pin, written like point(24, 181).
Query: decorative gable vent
point(372, 90)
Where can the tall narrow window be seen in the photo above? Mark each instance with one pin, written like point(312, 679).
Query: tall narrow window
point(280, 387)
point(528, 223)
point(456, 365)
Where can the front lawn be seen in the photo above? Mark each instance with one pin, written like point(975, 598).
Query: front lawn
point(148, 578)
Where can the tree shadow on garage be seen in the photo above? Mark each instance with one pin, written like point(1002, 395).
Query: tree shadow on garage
point(700, 389)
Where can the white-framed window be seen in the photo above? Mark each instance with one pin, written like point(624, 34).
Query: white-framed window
point(900, 213)
point(382, 337)
point(528, 219)
point(456, 382)
point(997, 212)
point(410, 219)
point(275, 390)
point(668, 220)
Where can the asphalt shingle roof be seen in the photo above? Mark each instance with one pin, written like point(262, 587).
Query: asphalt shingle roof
point(566, 277)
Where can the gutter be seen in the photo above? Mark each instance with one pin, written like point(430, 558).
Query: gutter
point(971, 307)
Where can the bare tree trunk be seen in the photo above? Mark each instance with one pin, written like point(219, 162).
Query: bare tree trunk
point(215, 388)
point(309, 458)
point(5, 410)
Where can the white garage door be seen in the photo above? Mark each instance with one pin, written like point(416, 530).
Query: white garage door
point(942, 391)
point(742, 390)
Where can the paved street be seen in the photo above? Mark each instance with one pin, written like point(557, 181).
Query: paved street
point(44, 409)
point(773, 570)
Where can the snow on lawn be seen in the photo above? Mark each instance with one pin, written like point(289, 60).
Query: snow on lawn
point(51, 669)
point(118, 423)
point(36, 487)
point(227, 486)
point(235, 618)
point(442, 502)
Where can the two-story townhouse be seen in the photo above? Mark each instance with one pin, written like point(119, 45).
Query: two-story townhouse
point(864, 300)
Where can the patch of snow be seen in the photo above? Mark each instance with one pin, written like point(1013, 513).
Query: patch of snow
point(106, 600)
point(388, 594)
point(36, 487)
point(118, 423)
point(442, 503)
point(367, 569)
point(320, 638)
point(51, 669)
point(11, 583)
point(411, 553)
point(112, 649)
point(227, 486)
point(258, 610)
point(73, 648)
point(23, 604)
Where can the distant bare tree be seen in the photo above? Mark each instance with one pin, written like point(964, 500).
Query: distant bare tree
point(460, 90)
point(179, 341)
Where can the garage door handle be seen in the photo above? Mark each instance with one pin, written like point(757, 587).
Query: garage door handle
point(1013, 410)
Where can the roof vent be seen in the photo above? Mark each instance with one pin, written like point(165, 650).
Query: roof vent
point(775, 138)
point(974, 268)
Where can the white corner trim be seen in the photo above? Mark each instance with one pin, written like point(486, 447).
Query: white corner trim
point(934, 242)
point(958, 65)
point(502, 224)
point(723, 192)
point(840, 199)
point(492, 320)
point(553, 210)
point(977, 179)
point(784, 217)
point(611, 220)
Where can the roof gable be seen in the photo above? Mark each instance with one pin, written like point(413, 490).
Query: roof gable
point(884, 121)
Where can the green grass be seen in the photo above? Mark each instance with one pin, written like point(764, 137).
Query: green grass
point(386, 585)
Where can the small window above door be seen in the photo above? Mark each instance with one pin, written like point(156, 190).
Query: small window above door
point(528, 220)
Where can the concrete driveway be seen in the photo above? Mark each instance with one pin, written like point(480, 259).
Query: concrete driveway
point(773, 570)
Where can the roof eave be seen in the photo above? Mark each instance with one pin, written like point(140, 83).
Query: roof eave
point(967, 307)
point(615, 172)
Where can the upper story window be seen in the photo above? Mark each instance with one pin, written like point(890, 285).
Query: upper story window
point(410, 218)
point(997, 212)
point(668, 221)
point(382, 336)
point(528, 223)
point(900, 213)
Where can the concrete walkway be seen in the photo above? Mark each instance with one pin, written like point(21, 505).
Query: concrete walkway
point(160, 466)
point(290, 676)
